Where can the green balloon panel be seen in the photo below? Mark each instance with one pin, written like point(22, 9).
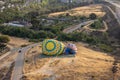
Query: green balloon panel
point(52, 47)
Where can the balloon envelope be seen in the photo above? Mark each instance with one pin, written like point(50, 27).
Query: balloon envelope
point(52, 47)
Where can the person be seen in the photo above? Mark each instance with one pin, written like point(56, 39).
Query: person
point(70, 49)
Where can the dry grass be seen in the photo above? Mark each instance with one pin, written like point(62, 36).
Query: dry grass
point(30, 57)
point(8, 60)
point(87, 64)
point(17, 42)
point(5, 64)
point(82, 11)
point(3, 71)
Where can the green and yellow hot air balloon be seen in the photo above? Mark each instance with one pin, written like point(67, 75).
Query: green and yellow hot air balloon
point(52, 47)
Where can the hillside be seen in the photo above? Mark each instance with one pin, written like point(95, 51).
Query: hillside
point(17, 42)
point(80, 11)
point(86, 65)
point(50, 19)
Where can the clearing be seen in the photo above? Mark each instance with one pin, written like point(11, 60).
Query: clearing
point(86, 65)
point(82, 11)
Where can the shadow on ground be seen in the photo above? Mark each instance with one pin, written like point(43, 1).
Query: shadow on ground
point(55, 56)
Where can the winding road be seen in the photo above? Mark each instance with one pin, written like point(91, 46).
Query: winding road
point(100, 30)
point(19, 62)
point(73, 28)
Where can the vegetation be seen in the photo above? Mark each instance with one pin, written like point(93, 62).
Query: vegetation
point(40, 32)
point(24, 45)
point(3, 41)
point(102, 44)
point(41, 29)
point(10, 14)
point(25, 32)
point(93, 16)
point(106, 48)
point(97, 24)
point(79, 36)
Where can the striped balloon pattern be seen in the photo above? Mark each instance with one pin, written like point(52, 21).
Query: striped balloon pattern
point(52, 47)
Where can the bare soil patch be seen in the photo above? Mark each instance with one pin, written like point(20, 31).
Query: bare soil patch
point(82, 11)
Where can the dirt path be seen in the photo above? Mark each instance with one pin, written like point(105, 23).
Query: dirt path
point(100, 30)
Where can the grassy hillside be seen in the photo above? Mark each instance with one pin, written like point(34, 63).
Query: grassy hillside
point(86, 65)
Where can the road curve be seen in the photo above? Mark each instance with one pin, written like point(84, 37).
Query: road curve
point(19, 63)
point(99, 30)
point(73, 28)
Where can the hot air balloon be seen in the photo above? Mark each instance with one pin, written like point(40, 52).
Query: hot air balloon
point(52, 47)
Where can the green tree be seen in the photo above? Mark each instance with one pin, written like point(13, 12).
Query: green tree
point(9, 14)
point(35, 23)
point(96, 25)
point(92, 16)
point(3, 41)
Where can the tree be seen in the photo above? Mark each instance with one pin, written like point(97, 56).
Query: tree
point(31, 15)
point(67, 14)
point(36, 23)
point(92, 16)
point(3, 41)
point(9, 14)
point(96, 25)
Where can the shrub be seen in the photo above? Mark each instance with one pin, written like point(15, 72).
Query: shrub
point(4, 39)
point(25, 32)
point(76, 36)
point(96, 25)
point(106, 48)
point(24, 45)
point(92, 16)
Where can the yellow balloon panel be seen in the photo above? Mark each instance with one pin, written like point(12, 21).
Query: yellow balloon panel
point(52, 47)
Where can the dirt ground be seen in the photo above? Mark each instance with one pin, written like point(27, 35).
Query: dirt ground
point(17, 42)
point(82, 11)
point(8, 60)
point(6, 63)
point(3, 71)
point(87, 64)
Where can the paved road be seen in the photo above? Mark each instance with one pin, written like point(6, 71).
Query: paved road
point(19, 62)
point(73, 28)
